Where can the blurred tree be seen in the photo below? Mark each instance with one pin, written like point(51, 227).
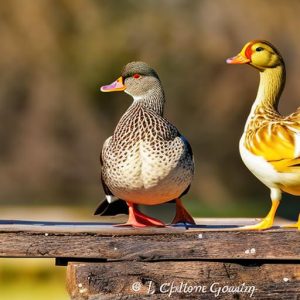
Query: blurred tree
point(56, 54)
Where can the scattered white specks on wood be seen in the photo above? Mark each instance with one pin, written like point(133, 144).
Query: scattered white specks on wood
point(250, 251)
point(108, 242)
point(267, 281)
point(81, 291)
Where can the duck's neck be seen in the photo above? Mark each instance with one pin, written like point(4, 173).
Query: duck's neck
point(271, 85)
point(154, 100)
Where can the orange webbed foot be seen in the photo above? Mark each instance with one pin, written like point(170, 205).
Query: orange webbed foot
point(139, 220)
point(182, 216)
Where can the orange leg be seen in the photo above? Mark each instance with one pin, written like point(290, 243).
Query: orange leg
point(138, 219)
point(182, 216)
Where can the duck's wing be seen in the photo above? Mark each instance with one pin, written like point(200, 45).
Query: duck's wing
point(189, 152)
point(108, 194)
point(170, 132)
point(278, 143)
point(110, 205)
point(187, 145)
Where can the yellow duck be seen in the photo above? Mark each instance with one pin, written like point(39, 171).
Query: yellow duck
point(270, 144)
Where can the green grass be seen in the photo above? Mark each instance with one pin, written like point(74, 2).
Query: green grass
point(31, 279)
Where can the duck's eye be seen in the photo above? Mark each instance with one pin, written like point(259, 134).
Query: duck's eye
point(136, 76)
point(258, 49)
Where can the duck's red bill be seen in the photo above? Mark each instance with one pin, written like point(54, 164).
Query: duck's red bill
point(114, 87)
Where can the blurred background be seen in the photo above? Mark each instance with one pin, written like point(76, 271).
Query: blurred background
point(54, 56)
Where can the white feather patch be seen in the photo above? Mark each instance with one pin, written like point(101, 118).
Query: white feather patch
point(110, 198)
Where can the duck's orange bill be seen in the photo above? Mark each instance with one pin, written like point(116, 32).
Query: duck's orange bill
point(238, 59)
point(116, 86)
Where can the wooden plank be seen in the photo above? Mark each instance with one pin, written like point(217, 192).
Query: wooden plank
point(106, 226)
point(182, 280)
point(103, 241)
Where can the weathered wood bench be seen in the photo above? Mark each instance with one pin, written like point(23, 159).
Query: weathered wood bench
point(203, 262)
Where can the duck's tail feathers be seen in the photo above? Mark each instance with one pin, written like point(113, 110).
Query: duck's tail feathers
point(111, 209)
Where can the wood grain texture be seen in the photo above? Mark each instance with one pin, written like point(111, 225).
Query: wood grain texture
point(193, 280)
point(103, 241)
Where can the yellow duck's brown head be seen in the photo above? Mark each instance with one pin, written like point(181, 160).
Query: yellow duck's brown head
point(259, 54)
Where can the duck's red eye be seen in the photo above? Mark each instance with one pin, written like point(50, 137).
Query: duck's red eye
point(136, 76)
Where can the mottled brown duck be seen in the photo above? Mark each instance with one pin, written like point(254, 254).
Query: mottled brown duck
point(146, 160)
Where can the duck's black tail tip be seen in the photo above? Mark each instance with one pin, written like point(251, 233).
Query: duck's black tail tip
point(111, 209)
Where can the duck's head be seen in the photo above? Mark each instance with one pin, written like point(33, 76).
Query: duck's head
point(137, 80)
point(259, 54)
